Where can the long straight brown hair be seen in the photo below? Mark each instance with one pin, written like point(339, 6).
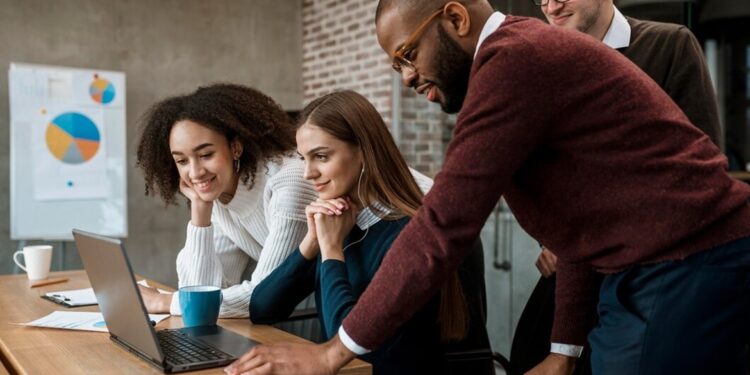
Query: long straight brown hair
point(386, 179)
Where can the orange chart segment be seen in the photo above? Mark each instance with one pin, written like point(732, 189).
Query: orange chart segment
point(87, 148)
point(100, 84)
point(58, 140)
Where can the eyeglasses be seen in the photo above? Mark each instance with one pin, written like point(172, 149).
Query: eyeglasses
point(402, 56)
point(545, 2)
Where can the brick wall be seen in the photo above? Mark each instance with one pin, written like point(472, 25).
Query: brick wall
point(340, 51)
point(425, 131)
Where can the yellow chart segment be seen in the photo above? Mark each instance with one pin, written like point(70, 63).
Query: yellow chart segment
point(87, 148)
point(58, 141)
point(100, 84)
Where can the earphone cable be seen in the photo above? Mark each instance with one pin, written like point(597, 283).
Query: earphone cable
point(359, 183)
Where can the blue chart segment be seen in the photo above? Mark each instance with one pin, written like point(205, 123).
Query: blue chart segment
point(72, 138)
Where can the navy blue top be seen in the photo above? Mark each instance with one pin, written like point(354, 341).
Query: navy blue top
point(415, 348)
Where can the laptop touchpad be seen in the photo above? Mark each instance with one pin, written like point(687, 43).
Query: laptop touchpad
point(222, 339)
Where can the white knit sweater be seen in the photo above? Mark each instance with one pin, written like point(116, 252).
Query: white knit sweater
point(265, 223)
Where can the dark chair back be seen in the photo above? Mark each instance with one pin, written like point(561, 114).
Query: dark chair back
point(531, 341)
point(472, 355)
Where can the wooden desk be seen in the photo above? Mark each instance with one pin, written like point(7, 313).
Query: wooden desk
point(30, 350)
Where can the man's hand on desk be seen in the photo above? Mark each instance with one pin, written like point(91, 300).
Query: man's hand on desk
point(546, 263)
point(156, 303)
point(554, 364)
point(293, 359)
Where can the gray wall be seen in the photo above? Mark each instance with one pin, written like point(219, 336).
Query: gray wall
point(165, 48)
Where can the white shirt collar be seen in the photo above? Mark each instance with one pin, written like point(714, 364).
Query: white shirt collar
point(618, 35)
point(495, 20)
point(368, 217)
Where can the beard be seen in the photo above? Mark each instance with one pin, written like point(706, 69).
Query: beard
point(453, 69)
point(588, 17)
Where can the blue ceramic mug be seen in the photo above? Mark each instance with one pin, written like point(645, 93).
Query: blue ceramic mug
point(200, 305)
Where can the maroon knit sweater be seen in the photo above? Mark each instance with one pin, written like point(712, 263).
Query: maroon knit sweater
point(595, 161)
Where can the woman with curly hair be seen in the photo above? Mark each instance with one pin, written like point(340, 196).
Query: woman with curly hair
point(227, 149)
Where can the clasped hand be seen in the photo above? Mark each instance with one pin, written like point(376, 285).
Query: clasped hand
point(328, 223)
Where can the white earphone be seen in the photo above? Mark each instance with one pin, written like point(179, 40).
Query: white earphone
point(359, 184)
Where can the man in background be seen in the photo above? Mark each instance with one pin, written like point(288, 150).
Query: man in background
point(673, 58)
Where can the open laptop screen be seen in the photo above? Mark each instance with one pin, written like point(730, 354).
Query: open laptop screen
point(117, 293)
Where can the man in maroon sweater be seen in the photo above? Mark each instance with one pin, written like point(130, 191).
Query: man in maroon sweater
point(569, 131)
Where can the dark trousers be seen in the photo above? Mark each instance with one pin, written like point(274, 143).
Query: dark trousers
point(678, 317)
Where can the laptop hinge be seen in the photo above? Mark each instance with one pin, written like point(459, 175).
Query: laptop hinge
point(161, 365)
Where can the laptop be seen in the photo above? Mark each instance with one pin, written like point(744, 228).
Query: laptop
point(171, 350)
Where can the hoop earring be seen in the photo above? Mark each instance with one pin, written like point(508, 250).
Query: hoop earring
point(237, 165)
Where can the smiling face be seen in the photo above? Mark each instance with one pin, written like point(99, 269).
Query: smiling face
point(204, 159)
point(582, 15)
point(331, 165)
point(440, 66)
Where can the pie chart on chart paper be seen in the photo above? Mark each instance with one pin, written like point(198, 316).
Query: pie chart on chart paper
point(102, 90)
point(72, 138)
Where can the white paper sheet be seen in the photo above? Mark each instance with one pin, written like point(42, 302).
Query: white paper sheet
point(82, 321)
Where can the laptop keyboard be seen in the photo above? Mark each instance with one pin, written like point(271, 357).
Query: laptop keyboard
point(180, 348)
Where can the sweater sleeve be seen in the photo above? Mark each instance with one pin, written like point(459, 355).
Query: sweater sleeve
point(275, 297)
point(200, 262)
point(688, 83)
point(575, 303)
point(499, 125)
point(336, 294)
point(286, 229)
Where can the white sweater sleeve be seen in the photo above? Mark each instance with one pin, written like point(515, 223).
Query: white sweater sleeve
point(208, 258)
point(287, 198)
point(284, 235)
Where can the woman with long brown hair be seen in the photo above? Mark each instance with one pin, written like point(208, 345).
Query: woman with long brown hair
point(367, 195)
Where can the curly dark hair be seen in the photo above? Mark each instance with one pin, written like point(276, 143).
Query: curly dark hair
point(237, 112)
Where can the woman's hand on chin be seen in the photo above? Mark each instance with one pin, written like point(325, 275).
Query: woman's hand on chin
point(333, 226)
point(200, 210)
point(310, 245)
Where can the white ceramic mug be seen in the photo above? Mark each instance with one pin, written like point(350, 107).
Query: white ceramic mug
point(37, 258)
